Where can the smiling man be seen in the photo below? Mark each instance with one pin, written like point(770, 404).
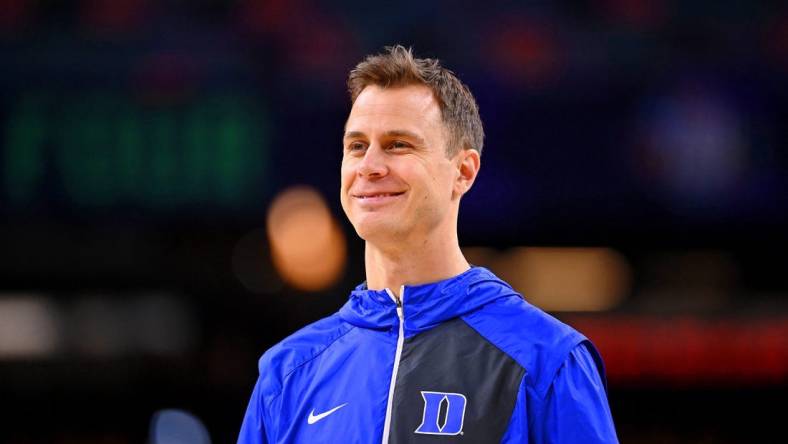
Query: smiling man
point(429, 348)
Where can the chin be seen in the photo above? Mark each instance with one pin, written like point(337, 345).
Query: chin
point(371, 228)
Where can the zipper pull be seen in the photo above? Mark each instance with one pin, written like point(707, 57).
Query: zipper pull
point(400, 309)
point(398, 301)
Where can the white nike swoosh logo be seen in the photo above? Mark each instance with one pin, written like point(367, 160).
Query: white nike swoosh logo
point(315, 418)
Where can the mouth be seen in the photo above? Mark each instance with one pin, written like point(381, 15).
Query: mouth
point(375, 200)
point(366, 196)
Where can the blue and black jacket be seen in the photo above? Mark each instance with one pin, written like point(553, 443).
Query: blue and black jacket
point(465, 359)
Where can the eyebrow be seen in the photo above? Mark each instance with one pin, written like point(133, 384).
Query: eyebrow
point(393, 133)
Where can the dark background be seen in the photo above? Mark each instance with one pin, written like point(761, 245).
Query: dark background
point(141, 142)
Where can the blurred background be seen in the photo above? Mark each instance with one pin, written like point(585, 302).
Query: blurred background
point(169, 176)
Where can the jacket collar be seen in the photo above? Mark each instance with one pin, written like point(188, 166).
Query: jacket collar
point(425, 305)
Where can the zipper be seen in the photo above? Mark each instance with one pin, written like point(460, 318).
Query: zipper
point(400, 341)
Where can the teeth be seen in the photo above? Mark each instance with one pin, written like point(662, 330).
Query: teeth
point(377, 195)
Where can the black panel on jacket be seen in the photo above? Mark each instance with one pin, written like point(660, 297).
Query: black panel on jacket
point(449, 362)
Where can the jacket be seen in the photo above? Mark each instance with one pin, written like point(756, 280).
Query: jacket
point(464, 359)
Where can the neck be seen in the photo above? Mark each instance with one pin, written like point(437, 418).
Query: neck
point(434, 259)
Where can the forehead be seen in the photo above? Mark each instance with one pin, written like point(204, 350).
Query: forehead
point(410, 107)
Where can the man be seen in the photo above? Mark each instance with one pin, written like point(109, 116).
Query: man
point(428, 349)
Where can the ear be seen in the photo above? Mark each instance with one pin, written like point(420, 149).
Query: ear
point(467, 162)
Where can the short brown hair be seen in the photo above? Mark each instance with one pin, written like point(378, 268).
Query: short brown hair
point(398, 67)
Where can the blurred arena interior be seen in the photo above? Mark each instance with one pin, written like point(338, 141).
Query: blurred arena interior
point(169, 176)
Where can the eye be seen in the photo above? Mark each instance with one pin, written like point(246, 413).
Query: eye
point(399, 144)
point(355, 146)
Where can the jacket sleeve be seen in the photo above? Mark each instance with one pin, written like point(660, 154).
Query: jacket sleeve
point(253, 427)
point(575, 407)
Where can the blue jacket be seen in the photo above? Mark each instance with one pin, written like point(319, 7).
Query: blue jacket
point(461, 359)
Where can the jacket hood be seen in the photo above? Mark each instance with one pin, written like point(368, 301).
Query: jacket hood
point(425, 305)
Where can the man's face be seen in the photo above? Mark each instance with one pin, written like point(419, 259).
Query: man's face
point(397, 182)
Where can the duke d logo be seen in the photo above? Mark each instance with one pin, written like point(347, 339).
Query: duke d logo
point(443, 414)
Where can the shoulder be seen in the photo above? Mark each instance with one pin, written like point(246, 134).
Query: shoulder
point(537, 341)
point(278, 362)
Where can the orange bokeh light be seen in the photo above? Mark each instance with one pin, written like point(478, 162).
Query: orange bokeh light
point(307, 246)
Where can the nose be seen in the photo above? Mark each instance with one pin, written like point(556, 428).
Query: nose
point(373, 164)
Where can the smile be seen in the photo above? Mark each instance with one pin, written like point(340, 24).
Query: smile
point(375, 200)
point(377, 195)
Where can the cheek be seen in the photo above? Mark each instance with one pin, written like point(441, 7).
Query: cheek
point(346, 176)
point(442, 182)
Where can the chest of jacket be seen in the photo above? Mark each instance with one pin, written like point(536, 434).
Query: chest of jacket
point(450, 384)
